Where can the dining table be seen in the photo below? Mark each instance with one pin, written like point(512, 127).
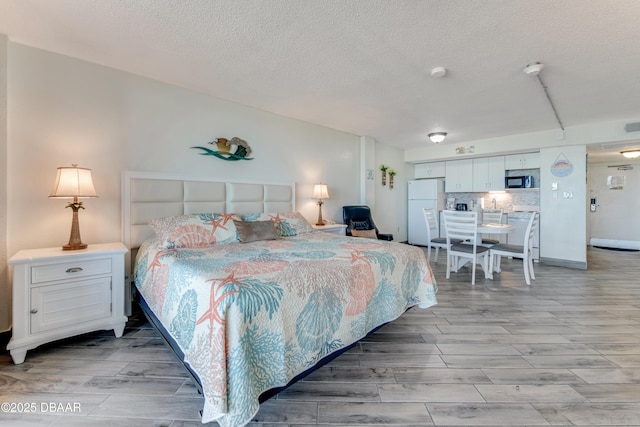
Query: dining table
point(494, 228)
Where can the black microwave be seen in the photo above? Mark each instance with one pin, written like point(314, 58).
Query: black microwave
point(525, 181)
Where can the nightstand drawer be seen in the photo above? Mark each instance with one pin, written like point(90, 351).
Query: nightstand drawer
point(70, 270)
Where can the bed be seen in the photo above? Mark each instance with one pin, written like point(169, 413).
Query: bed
point(250, 297)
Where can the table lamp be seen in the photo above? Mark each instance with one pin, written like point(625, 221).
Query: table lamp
point(73, 182)
point(320, 192)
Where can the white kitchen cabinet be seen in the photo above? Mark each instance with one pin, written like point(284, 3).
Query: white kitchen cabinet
point(459, 176)
point(488, 174)
point(59, 294)
point(522, 161)
point(430, 170)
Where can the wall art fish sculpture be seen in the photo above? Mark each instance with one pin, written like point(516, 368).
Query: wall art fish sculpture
point(233, 149)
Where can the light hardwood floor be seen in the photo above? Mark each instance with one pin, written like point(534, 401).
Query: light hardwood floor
point(564, 351)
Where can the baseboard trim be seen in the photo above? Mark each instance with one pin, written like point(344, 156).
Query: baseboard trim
point(618, 244)
point(578, 265)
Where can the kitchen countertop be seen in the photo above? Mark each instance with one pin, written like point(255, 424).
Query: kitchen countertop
point(526, 208)
point(518, 215)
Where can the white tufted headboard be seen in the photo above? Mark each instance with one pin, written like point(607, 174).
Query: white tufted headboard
point(153, 195)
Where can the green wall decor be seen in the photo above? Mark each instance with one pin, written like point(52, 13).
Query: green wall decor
point(233, 149)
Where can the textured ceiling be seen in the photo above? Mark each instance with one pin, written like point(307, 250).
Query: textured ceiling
point(362, 66)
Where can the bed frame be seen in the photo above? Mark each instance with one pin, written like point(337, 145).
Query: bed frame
point(152, 195)
point(147, 195)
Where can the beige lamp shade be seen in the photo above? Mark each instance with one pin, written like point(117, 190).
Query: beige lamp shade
point(320, 191)
point(73, 182)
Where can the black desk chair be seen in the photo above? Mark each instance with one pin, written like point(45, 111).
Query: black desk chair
point(359, 218)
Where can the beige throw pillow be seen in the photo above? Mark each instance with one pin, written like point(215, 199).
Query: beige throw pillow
point(256, 230)
point(370, 234)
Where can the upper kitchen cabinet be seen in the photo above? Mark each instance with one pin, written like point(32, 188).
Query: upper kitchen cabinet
point(459, 176)
point(429, 170)
point(522, 161)
point(488, 174)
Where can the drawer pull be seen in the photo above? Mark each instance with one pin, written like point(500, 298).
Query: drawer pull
point(34, 310)
point(73, 270)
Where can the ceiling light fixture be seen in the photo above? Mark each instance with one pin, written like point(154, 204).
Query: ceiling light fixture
point(437, 137)
point(631, 154)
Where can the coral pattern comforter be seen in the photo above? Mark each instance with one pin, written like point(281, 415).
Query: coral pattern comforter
point(251, 316)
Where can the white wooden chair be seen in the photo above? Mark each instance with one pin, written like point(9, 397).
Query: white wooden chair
point(463, 226)
point(493, 216)
point(523, 251)
point(432, 233)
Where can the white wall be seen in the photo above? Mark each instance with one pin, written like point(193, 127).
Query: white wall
point(63, 111)
point(391, 204)
point(616, 217)
point(5, 291)
point(563, 212)
point(367, 171)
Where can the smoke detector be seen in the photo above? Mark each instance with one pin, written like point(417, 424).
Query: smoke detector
point(438, 72)
point(533, 69)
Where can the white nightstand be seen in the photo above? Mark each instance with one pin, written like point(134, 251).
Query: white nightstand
point(331, 228)
point(58, 294)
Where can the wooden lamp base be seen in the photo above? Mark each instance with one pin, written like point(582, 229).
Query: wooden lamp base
point(320, 220)
point(75, 242)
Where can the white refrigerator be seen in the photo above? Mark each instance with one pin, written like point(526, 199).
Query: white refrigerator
point(423, 193)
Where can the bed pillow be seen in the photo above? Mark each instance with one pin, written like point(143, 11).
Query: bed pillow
point(195, 230)
point(256, 230)
point(287, 223)
point(370, 234)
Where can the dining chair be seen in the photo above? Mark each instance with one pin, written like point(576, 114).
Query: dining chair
point(463, 227)
point(523, 251)
point(491, 216)
point(432, 233)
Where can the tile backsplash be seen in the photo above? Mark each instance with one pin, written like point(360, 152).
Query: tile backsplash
point(504, 200)
point(507, 199)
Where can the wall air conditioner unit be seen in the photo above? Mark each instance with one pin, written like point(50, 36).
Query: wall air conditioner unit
point(620, 145)
point(632, 127)
point(615, 182)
